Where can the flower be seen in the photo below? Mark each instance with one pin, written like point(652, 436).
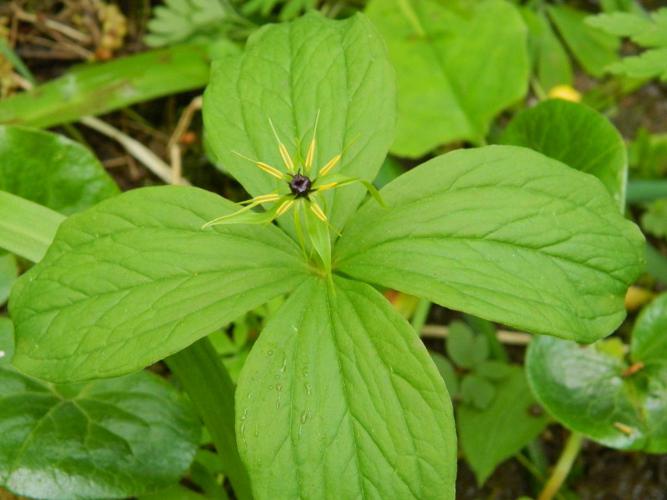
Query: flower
point(303, 186)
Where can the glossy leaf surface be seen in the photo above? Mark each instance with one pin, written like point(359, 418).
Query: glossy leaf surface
point(289, 74)
point(111, 438)
point(503, 233)
point(136, 278)
point(595, 391)
point(577, 136)
point(51, 170)
point(458, 64)
point(337, 369)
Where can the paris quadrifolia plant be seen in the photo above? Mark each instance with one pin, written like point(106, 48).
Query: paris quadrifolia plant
point(338, 397)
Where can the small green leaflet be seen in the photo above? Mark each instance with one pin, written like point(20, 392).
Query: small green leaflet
point(338, 369)
point(648, 32)
point(489, 230)
point(491, 436)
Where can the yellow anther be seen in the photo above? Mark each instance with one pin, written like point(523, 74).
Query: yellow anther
point(270, 170)
point(265, 198)
point(310, 156)
point(315, 208)
point(329, 166)
point(284, 207)
point(287, 159)
point(330, 185)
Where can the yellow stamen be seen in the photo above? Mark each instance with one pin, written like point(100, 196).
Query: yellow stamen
point(264, 166)
point(330, 165)
point(310, 156)
point(315, 208)
point(287, 159)
point(264, 198)
point(271, 170)
point(286, 205)
point(330, 185)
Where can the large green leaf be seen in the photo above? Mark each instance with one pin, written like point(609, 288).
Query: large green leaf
point(339, 399)
point(649, 338)
point(490, 436)
point(135, 279)
point(504, 233)
point(592, 48)
point(51, 170)
point(458, 64)
point(112, 438)
point(576, 135)
point(289, 73)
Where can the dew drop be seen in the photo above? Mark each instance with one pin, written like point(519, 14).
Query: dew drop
point(279, 387)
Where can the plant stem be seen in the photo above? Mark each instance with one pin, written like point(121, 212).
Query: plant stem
point(421, 314)
point(563, 466)
point(207, 382)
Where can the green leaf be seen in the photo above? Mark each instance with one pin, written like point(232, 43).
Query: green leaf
point(289, 73)
point(576, 135)
point(99, 88)
point(8, 273)
point(641, 29)
point(181, 20)
point(503, 233)
point(110, 438)
point(447, 372)
point(649, 341)
point(288, 8)
point(51, 170)
point(202, 375)
point(136, 278)
point(551, 62)
point(477, 392)
point(338, 369)
point(491, 436)
point(649, 64)
point(586, 390)
point(458, 65)
point(464, 347)
point(654, 220)
point(6, 341)
point(594, 49)
point(26, 228)
point(493, 370)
